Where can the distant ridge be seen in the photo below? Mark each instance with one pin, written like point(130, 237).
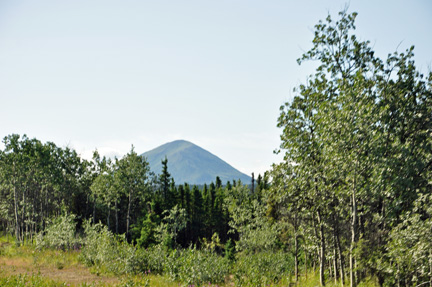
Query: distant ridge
point(190, 163)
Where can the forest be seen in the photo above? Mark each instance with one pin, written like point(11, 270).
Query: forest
point(350, 203)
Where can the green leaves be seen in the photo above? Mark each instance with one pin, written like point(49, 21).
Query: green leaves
point(173, 222)
point(357, 143)
point(249, 220)
point(59, 234)
point(410, 245)
point(36, 179)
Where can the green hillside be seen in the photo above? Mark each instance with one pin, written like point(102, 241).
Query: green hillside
point(190, 163)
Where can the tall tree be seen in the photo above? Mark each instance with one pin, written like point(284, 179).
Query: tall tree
point(354, 138)
point(165, 190)
point(132, 178)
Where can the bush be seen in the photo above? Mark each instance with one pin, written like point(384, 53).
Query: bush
point(113, 254)
point(230, 250)
point(59, 234)
point(409, 257)
point(196, 267)
point(107, 251)
point(189, 266)
point(152, 259)
point(263, 268)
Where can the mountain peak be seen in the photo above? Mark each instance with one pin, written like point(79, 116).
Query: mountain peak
point(178, 143)
point(190, 163)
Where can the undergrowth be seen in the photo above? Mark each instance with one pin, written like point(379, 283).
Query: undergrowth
point(158, 267)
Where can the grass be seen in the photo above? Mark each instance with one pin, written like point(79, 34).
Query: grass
point(26, 266)
point(312, 280)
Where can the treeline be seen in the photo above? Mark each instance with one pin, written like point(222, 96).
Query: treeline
point(39, 181)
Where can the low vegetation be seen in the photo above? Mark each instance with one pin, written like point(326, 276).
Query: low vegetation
point(29, 265)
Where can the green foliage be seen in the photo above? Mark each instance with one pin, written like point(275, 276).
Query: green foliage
point(230, 250)
point(59, 234)
point(248, 218)
point(134, 282)
point(358, 153)
point(213, 245)
point(410, 246)
point(263, 268)
point(165, 192)
point(152, 259)
point(24, 280)
point(196, 267)
point(189, 266)
point(173, 222)
point(107, 251)
point(36, 181)
point(146, 231)
point(131, 178)
point(103, 189)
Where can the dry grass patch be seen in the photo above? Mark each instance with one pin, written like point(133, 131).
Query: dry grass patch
point(74, 275)
point(62, 266)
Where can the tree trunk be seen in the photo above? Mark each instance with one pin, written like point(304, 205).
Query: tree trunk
point(23, 217)
point(353, 239)
point(128, 215)
point(335, 266)
point(341, 261)
point(34, 212)
point(296, 257)
point(17, 230)
point(322, 258)
point(305, 254)
point(330, 267)
point(116, 216)
point(318, 247)
point(46, 209)
point(41, 217)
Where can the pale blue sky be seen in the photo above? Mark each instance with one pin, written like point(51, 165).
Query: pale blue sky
point(108, 74)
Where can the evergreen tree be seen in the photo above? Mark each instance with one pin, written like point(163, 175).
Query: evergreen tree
point(197, 214)
point(166, 187)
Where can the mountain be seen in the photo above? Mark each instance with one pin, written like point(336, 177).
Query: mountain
point(190, 163)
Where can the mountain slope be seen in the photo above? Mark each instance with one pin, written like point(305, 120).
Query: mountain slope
point(190, 163)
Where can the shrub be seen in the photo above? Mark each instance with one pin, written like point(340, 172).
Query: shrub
point(145, 232)
point(262, 268)
point(230, 250)
point(59, 234)
point(152, 259)
point(107, 251)
point(409, 257)
point(113, 254)
point(196, 267)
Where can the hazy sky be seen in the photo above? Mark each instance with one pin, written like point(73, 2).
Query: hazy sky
point(108, 74)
